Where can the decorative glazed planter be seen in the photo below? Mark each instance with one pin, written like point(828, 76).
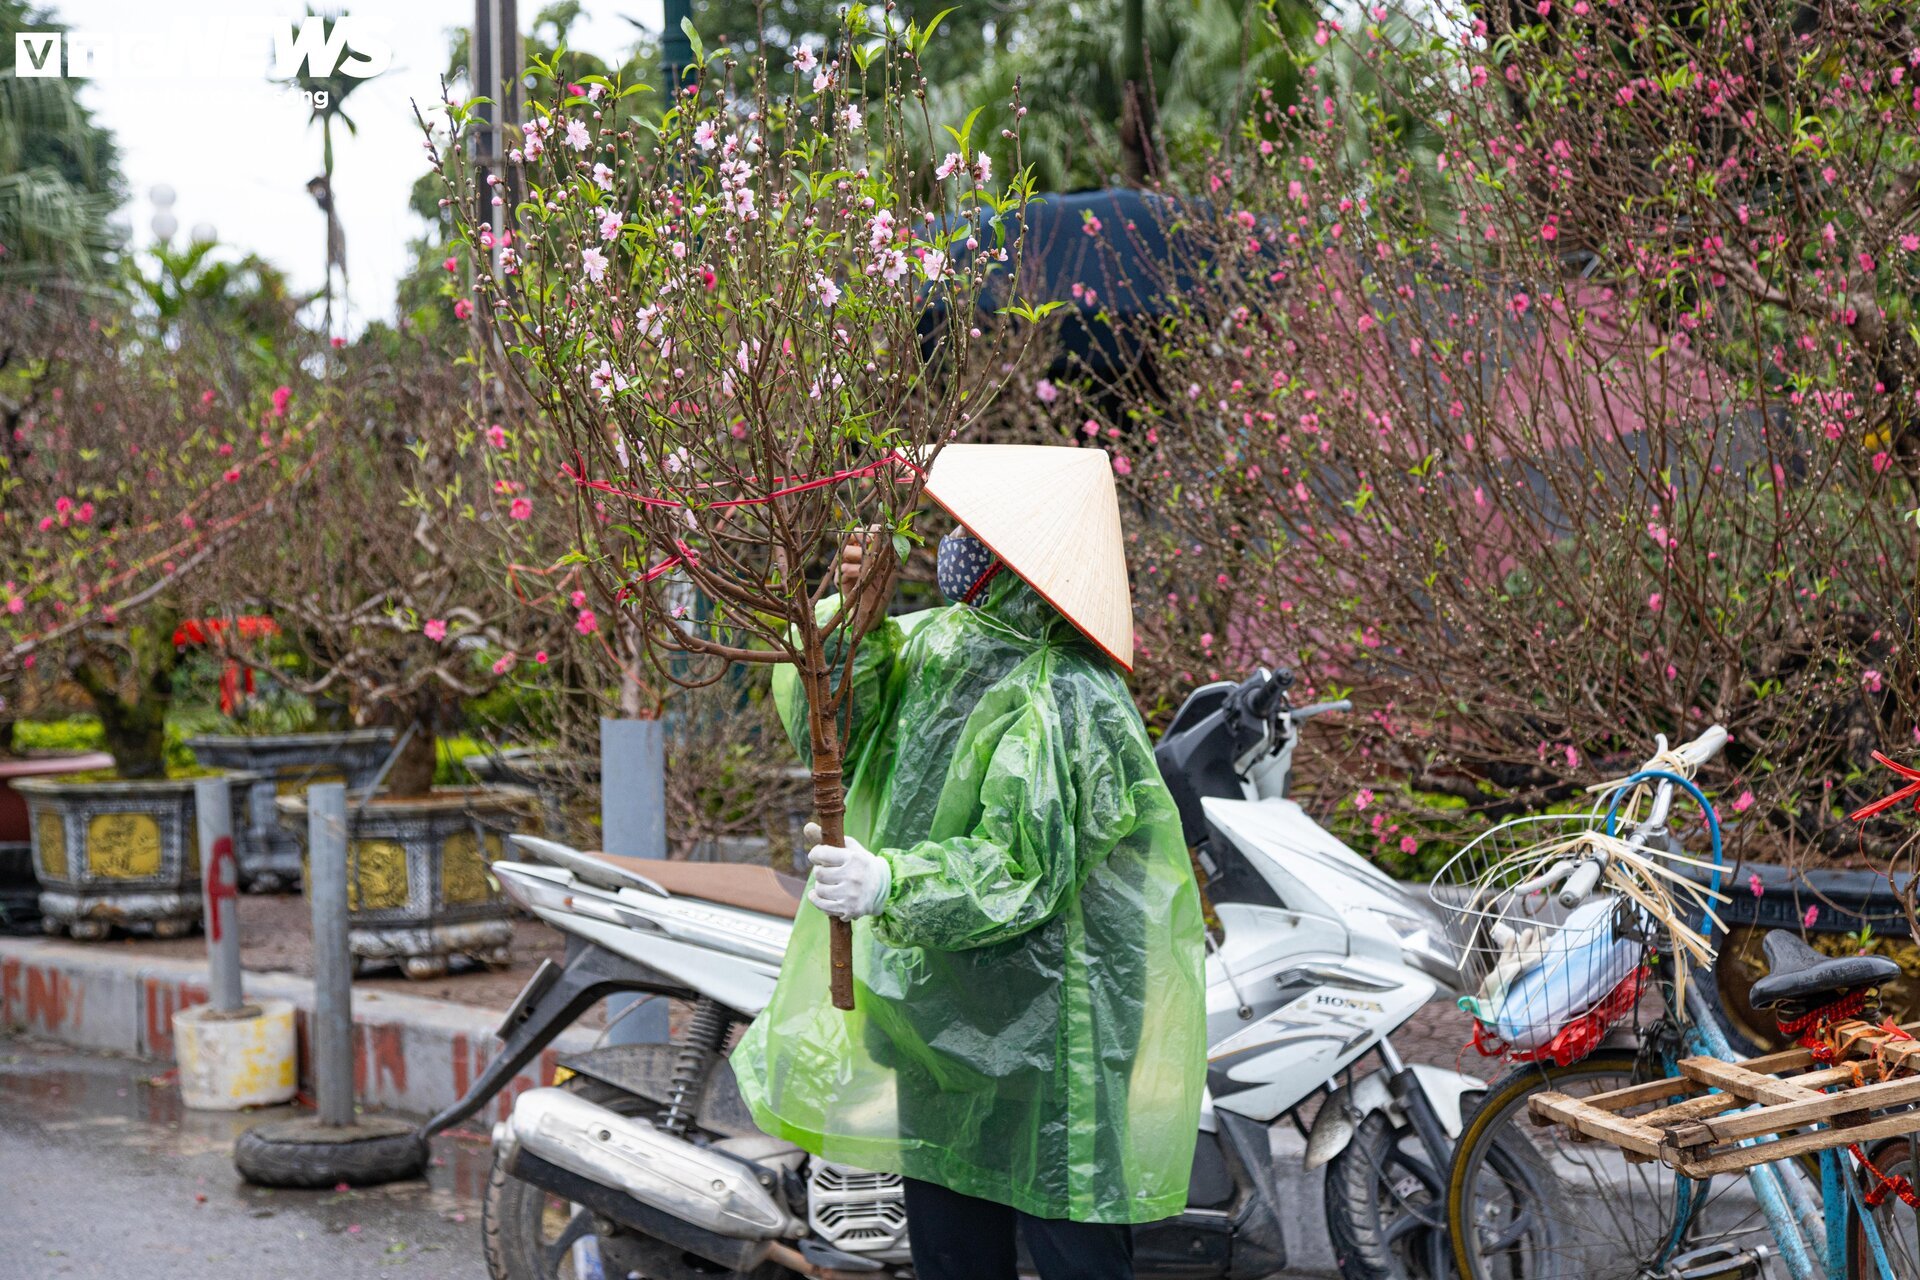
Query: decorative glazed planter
point(1842, 904)
point(115, 854)
point(287, 764)
point(19, 887)
point(549, 775)
point(418, 889)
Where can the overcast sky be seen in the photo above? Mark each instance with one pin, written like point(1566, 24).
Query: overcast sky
point(239, 150)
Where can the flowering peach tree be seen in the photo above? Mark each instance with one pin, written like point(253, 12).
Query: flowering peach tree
point(1554, 384)
point(383, 585)
point(125, 467)
point(744, 327)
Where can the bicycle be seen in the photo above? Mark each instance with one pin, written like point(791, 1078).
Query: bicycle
point(1554, 1207)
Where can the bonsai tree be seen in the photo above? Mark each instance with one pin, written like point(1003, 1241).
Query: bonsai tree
point(125, 467)
point(371, 569)
point(721, 330)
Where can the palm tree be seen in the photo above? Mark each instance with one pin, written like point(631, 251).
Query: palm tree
point(59, 171)
point(327, 95)
point(1193, 65)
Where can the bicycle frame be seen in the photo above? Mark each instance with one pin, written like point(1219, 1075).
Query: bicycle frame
point(1776, 1188)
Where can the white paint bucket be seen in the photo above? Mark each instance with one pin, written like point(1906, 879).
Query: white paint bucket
point(229, 1062)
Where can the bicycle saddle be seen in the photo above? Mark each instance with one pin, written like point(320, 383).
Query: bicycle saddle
point(1797, 974)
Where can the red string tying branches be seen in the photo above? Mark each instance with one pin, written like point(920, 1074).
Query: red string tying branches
point(576, 472)
point(1813, 1031)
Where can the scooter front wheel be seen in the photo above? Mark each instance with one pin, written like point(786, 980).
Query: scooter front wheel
point(1386, 1206)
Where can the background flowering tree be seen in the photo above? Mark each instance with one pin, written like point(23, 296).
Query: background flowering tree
point(1549, 382)
point(372, 566)
point(732, 328)
point(125, 466)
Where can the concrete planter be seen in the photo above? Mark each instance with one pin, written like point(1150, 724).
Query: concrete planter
point(115, 853)
point(418, 889)
point(19, 887)
point(550, 776)
point(288, 763)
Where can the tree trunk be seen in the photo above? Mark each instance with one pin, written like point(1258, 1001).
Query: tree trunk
point(135, 728)
point(412, 773)
point(830, 812)
point(136, 735)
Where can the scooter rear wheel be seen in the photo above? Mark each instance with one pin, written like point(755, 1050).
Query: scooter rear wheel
point(529, 1233)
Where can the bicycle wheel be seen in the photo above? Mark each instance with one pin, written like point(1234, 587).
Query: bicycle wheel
point(1895, 1158)
point(1526, 1202)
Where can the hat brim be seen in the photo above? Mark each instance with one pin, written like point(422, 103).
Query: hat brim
point(1115, 640)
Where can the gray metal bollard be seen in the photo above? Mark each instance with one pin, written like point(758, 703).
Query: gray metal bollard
point(333, 1145)
point(332, 962)
point(220, 891)
point(633, 823)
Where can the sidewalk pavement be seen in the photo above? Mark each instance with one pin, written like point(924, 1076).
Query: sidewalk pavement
point(412, 1053)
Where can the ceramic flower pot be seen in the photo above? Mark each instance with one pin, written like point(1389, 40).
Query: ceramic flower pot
point(418, 887)
point(286, 763)
point(19, 887)
point(550, 776)
point(115, 854)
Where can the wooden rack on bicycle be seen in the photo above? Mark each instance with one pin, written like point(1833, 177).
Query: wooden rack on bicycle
point(1720, 1117)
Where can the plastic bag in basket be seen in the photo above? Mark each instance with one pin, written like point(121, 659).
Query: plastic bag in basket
point(1559, 976)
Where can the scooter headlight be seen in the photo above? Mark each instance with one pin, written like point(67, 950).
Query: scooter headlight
point(1425, 944)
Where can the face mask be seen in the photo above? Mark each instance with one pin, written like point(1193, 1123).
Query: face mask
point(965, 567)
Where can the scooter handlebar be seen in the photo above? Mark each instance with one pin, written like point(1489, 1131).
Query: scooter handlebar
point(1313, 709)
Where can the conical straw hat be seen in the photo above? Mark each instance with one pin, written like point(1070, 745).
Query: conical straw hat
point(1052, 515)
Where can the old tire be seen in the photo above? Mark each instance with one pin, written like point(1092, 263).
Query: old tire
point(304, 1154)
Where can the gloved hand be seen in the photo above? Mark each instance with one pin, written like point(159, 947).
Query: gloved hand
point(848, 881)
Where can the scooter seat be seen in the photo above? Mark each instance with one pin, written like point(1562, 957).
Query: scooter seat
point(1799, 975)
point(729, 884)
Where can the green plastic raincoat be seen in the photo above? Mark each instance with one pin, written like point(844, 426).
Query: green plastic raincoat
point(1030, 1005)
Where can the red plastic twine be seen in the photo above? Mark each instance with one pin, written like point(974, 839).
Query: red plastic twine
point(576, 472)
point(1910, 791)
point(1810, 1029)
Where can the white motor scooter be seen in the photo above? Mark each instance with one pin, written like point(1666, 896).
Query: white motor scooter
point(1317, 959)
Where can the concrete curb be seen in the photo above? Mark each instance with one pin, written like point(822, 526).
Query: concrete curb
point(410, 1053)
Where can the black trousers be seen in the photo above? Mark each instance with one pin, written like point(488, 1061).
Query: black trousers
point(957, 1237)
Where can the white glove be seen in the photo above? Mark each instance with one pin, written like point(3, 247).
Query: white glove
point(848, 881)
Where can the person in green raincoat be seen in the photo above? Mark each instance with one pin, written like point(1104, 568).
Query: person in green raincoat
point(1028, 1043)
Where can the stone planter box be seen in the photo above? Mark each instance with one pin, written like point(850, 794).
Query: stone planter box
point(549, 776)
point(115, 854)
point(269, 854)
point(19, 888)
point(418, 889)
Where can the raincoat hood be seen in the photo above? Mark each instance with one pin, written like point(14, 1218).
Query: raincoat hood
point(1029, 1020)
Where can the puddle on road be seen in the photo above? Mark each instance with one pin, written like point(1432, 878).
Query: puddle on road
point(65, 1095)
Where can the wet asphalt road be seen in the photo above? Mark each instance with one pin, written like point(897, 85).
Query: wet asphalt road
point(103, 1175)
